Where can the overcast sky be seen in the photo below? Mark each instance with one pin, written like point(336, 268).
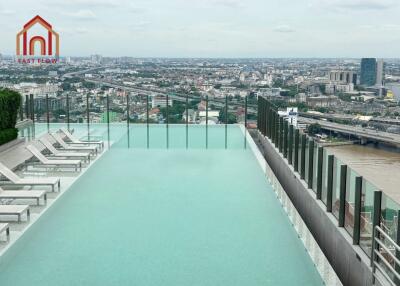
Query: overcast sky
point(213, 28)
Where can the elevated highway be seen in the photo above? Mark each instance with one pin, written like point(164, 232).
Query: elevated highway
point(365, 135)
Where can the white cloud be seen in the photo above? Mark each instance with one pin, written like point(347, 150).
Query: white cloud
point(283, 29)
point(229, 3)
point(356, 5)
point(84, 3)
point(139, 26)
point(7, 12)
point(82, 15)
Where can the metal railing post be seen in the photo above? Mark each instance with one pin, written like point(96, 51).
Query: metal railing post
point(32, 112)
point(329, 191)
point(147, 121)
point(285, 139)
point(357, 211)
point(68, 127)
point(226, 122)
point(27, 107)
point(187, 121)
point(127, 119)
point(310, 163)
point(303, 156)
point(21, 110)
point(167, 107)
point(342, 195)
point(296, 150)
point(376, 220)
point(47, 113)
point(276, 130)
point(108, 121)
point(206, 121)
point(88, 117)
point(259, 113)
point(319, 172)
point(290, 157)
point(281, 132)
point(245, 122)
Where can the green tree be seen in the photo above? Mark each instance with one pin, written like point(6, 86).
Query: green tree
point(314, 129)
point(231, 117)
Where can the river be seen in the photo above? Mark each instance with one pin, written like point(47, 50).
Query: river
point(380, 167)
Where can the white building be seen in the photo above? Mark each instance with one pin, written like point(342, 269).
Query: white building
point(332, 88)
point(379, 72)
point(290, 115)
point(160, 101)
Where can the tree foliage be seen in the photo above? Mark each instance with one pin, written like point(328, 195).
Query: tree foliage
point(314, 129)
point(10, 102)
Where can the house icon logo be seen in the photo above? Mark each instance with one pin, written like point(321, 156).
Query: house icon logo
point(32, 47)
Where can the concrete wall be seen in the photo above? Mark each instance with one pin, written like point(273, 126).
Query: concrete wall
point(350, 263)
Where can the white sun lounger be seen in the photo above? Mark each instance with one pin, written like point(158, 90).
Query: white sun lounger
point(65, 146)
point(4, 227)
point(23, 194)
point(58, 163)
point(18, 210)
point(73, 140)
point(63, 154)
point(18, 181)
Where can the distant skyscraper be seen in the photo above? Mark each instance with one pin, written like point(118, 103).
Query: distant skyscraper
point(96, 59)
point(380, 73)
point(1, 58)
point(368, 71)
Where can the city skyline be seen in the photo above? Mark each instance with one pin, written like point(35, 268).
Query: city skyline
point(214, 28)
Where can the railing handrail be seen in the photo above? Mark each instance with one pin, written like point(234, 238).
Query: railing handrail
point(389, 249)
point(381, 231)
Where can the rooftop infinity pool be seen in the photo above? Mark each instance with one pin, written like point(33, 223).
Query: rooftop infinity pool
point(162, 216)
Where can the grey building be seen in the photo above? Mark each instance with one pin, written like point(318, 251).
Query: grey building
point(380, 76)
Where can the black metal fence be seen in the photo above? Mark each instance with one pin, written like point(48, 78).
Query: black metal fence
point(358, 205)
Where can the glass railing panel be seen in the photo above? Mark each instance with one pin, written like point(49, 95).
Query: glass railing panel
point(367, 211)
point(299, 154)
point(177, 136)
point(350, 200)
point(389, 216)
point(234, 137)
point(324, 177)
point(315, 169)
point(294, 146)
point(306, 160)
point(196, 137)
point(336, 187)
point(158, 136)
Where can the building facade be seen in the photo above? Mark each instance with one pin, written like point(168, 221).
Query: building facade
point(368, 71)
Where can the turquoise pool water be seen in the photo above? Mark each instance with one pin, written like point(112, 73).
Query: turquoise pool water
point(163, 217)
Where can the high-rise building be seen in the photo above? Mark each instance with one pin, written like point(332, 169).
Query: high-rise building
point(368, 71)
point(96, 59)
point(1, 57)
point(343, 77)
point(380, 73)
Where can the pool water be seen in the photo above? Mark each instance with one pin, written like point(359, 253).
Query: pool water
point(163, 217)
